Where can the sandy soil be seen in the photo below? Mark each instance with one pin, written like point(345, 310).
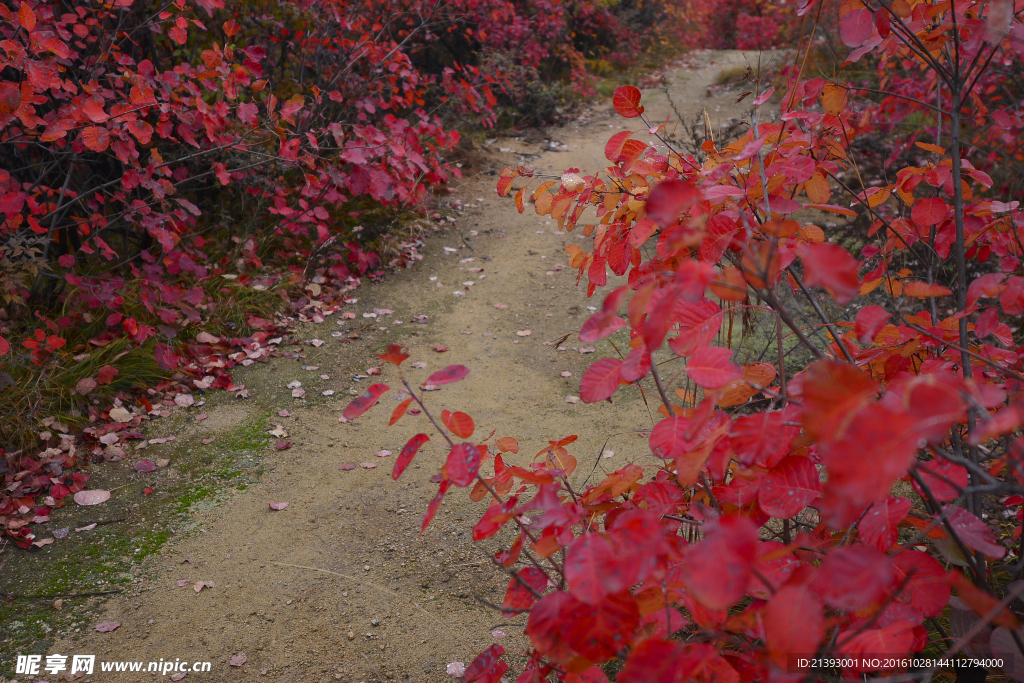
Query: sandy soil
point(340, 585)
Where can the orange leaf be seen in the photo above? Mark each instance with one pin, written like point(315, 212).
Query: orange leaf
point(923, 290)
point(507, 444)
point(460, 424)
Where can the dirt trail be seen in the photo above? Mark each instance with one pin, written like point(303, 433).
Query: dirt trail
point(289, 586)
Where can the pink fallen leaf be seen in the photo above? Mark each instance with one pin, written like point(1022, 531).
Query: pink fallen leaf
point(278, 506)
point(498, 634)
point(107, 626)
point(89, 527)
point(298, 393)
point(182, 583)
point(162, 462)
point(566, 374)
point(283, 445)
point(317, 342)
point(382, 453)
point(372, 371)
point(179, 676)
point(92, 497)
point(207, 442)
point(456, 669)
point(347, 466)
point(440, 349)
point(587, 349)
point(200, 585)
point(145, 466)
point(368, 465)
point(238, 659)
point(206, 338)
point(419, 365)
point(523, 333)
point(201, 417)
point(184, 400)
point(283, 413)
point(45, 541)
point(501, 306)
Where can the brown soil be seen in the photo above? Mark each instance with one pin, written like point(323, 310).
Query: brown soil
point(292, 586)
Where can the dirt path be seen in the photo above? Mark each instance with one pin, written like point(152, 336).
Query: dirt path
point(340, 586)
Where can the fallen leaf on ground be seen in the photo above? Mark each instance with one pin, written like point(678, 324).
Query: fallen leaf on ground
point(107, 626)
point(163, 439)
point(120, 415)
point(607, 453)
point(456, 669)
point(179, 676)
point(368, 465)
point(92, 497)
point(382, 454)
point(298, 393)
point(327, 392)
point(572, 399)
point(184, 400)
point(294, 384)
point(90, 527)
point(587, 349)
point(440, 349)
point(317, 342)
point(206, 338)
point(200, 585)
point(283, 413)
point(163, 462)
point(145, 466)
point(523, 333)
point(498, 634)
point(278, 506)
point(207, 442)
point(238, 659)
point(278, 431)
point(501, 305)
point(45, 541)
point(283, 445)
point(182, 583)
point(419, 364)
point(348, 315)
point(61, 533)
point(202, 417)
point(566, 373)
point(347, 466)
point(372, 371)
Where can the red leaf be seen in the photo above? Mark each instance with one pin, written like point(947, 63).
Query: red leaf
point(942, 478)
point(165, 358)
point(599, 326)
point(600, 380)
point(399, 411)
point(789, 487)
point(546, 625)
point(927, 591)
point(870, 321)
point(699, 323)
point(407, 454)
point(668, 199)
point(626, 101)
point(892, 640)
point(853, 577)
point(26, 17)
point(487, 667)
point(973, 532)
point(463, 463)
point(929, 211)
point(106, 374)
point(96, 138)
point(518, 597)
point(711, 368)
point(636, 364)
point(613, 148)
point(599, 632)
point(652, 661)
point(394, 354)
point(794, 621)
point(762, 439)
point(460, 424)
point(507, 444)
point(93, 108)
point(878, 526)
point(832, 267)
point(717, 570)
point(364, 402)
point(5, 346)
point(587, 565)
point(854, 29)
point(495, 518)
point(452, 373)
point(435, 503)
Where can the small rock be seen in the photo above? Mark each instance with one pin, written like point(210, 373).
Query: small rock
point(572, 399)
point(351, 635)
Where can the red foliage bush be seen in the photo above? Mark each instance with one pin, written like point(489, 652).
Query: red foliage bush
point(771, 525)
